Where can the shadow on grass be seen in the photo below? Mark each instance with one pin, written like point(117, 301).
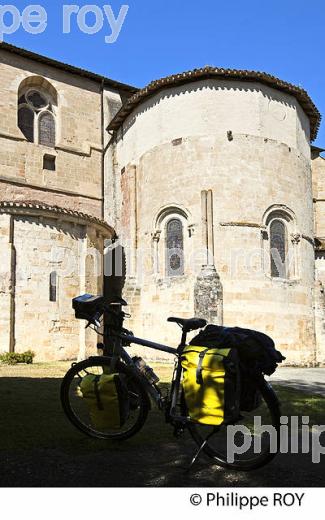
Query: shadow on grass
point(316, 387)
point(39, 447)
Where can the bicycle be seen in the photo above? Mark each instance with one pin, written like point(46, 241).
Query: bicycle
point(143, 388)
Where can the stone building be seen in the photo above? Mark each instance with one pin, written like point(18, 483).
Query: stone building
point(208, 179)
point(52, 229)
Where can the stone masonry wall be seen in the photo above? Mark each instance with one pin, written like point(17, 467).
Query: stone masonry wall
point(318, 169)
point(249, 144)
point(77, 178)
point(43, 245)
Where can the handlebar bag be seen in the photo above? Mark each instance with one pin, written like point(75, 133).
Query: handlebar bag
point(107, 399)
point(211, 384)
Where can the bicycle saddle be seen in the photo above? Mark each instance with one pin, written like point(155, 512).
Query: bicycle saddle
point(188, 325)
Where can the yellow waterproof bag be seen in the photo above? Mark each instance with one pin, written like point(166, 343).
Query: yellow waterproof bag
point(107, 400)
point(211, 384)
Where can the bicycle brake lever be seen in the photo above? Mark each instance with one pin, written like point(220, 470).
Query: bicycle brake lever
point(96, 323)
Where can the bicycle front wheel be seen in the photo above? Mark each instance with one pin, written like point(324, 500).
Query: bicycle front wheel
point(77, 409)
point(251, 442)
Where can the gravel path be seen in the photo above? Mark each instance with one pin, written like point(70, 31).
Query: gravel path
point(311, 380)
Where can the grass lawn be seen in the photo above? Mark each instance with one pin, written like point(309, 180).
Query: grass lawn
point(39, 447)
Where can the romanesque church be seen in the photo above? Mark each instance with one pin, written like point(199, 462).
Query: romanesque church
point(204, 185)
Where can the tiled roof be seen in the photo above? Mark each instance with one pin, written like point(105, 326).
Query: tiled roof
point(68, 68)
point(38, 206)
point(212, 72)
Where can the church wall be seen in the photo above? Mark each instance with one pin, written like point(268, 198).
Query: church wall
point(78, 143)
point(28, 318)
point(6, 281)
point(48, 328)
point(318, 169)
point(249, 144)
point(246, 142)
point(220, 105)
point(33, 247)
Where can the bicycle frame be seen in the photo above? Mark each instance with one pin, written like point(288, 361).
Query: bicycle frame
point(154, 392)
point(176, 379)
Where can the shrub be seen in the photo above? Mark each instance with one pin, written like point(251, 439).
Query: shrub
point(13, 358)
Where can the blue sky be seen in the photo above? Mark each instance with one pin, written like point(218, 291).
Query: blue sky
point(160, 37)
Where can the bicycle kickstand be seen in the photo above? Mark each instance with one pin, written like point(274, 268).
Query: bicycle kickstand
point(198, 452)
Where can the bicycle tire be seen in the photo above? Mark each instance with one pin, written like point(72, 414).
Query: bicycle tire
point(136, 383)
point(271, 401)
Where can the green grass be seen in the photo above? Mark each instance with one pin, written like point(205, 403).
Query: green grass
point(296, 402)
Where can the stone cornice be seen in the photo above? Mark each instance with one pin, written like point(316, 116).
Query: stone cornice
point(243, 224)
point(37, 208)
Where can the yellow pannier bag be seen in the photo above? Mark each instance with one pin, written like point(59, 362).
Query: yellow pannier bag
point(211, 384)
point(107, 399)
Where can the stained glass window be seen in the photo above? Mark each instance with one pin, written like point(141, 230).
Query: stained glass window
point(47, 129)
point(175, 248)
point(278, 249)
point(36, 117)
point(26, 123)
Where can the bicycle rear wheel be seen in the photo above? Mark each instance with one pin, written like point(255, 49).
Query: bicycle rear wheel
point(258, 447)
point(77, 409)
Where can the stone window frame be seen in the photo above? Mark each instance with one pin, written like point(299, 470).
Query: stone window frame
point(159, 240)
point(293, 238)
point(47, 91)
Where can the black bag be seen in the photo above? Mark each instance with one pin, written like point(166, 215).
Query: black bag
point(254, 348)
point(250, 396)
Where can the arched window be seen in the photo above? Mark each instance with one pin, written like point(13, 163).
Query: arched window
point(278, 249)
point(36, 113)
point(174, 248)
point(46, 129)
